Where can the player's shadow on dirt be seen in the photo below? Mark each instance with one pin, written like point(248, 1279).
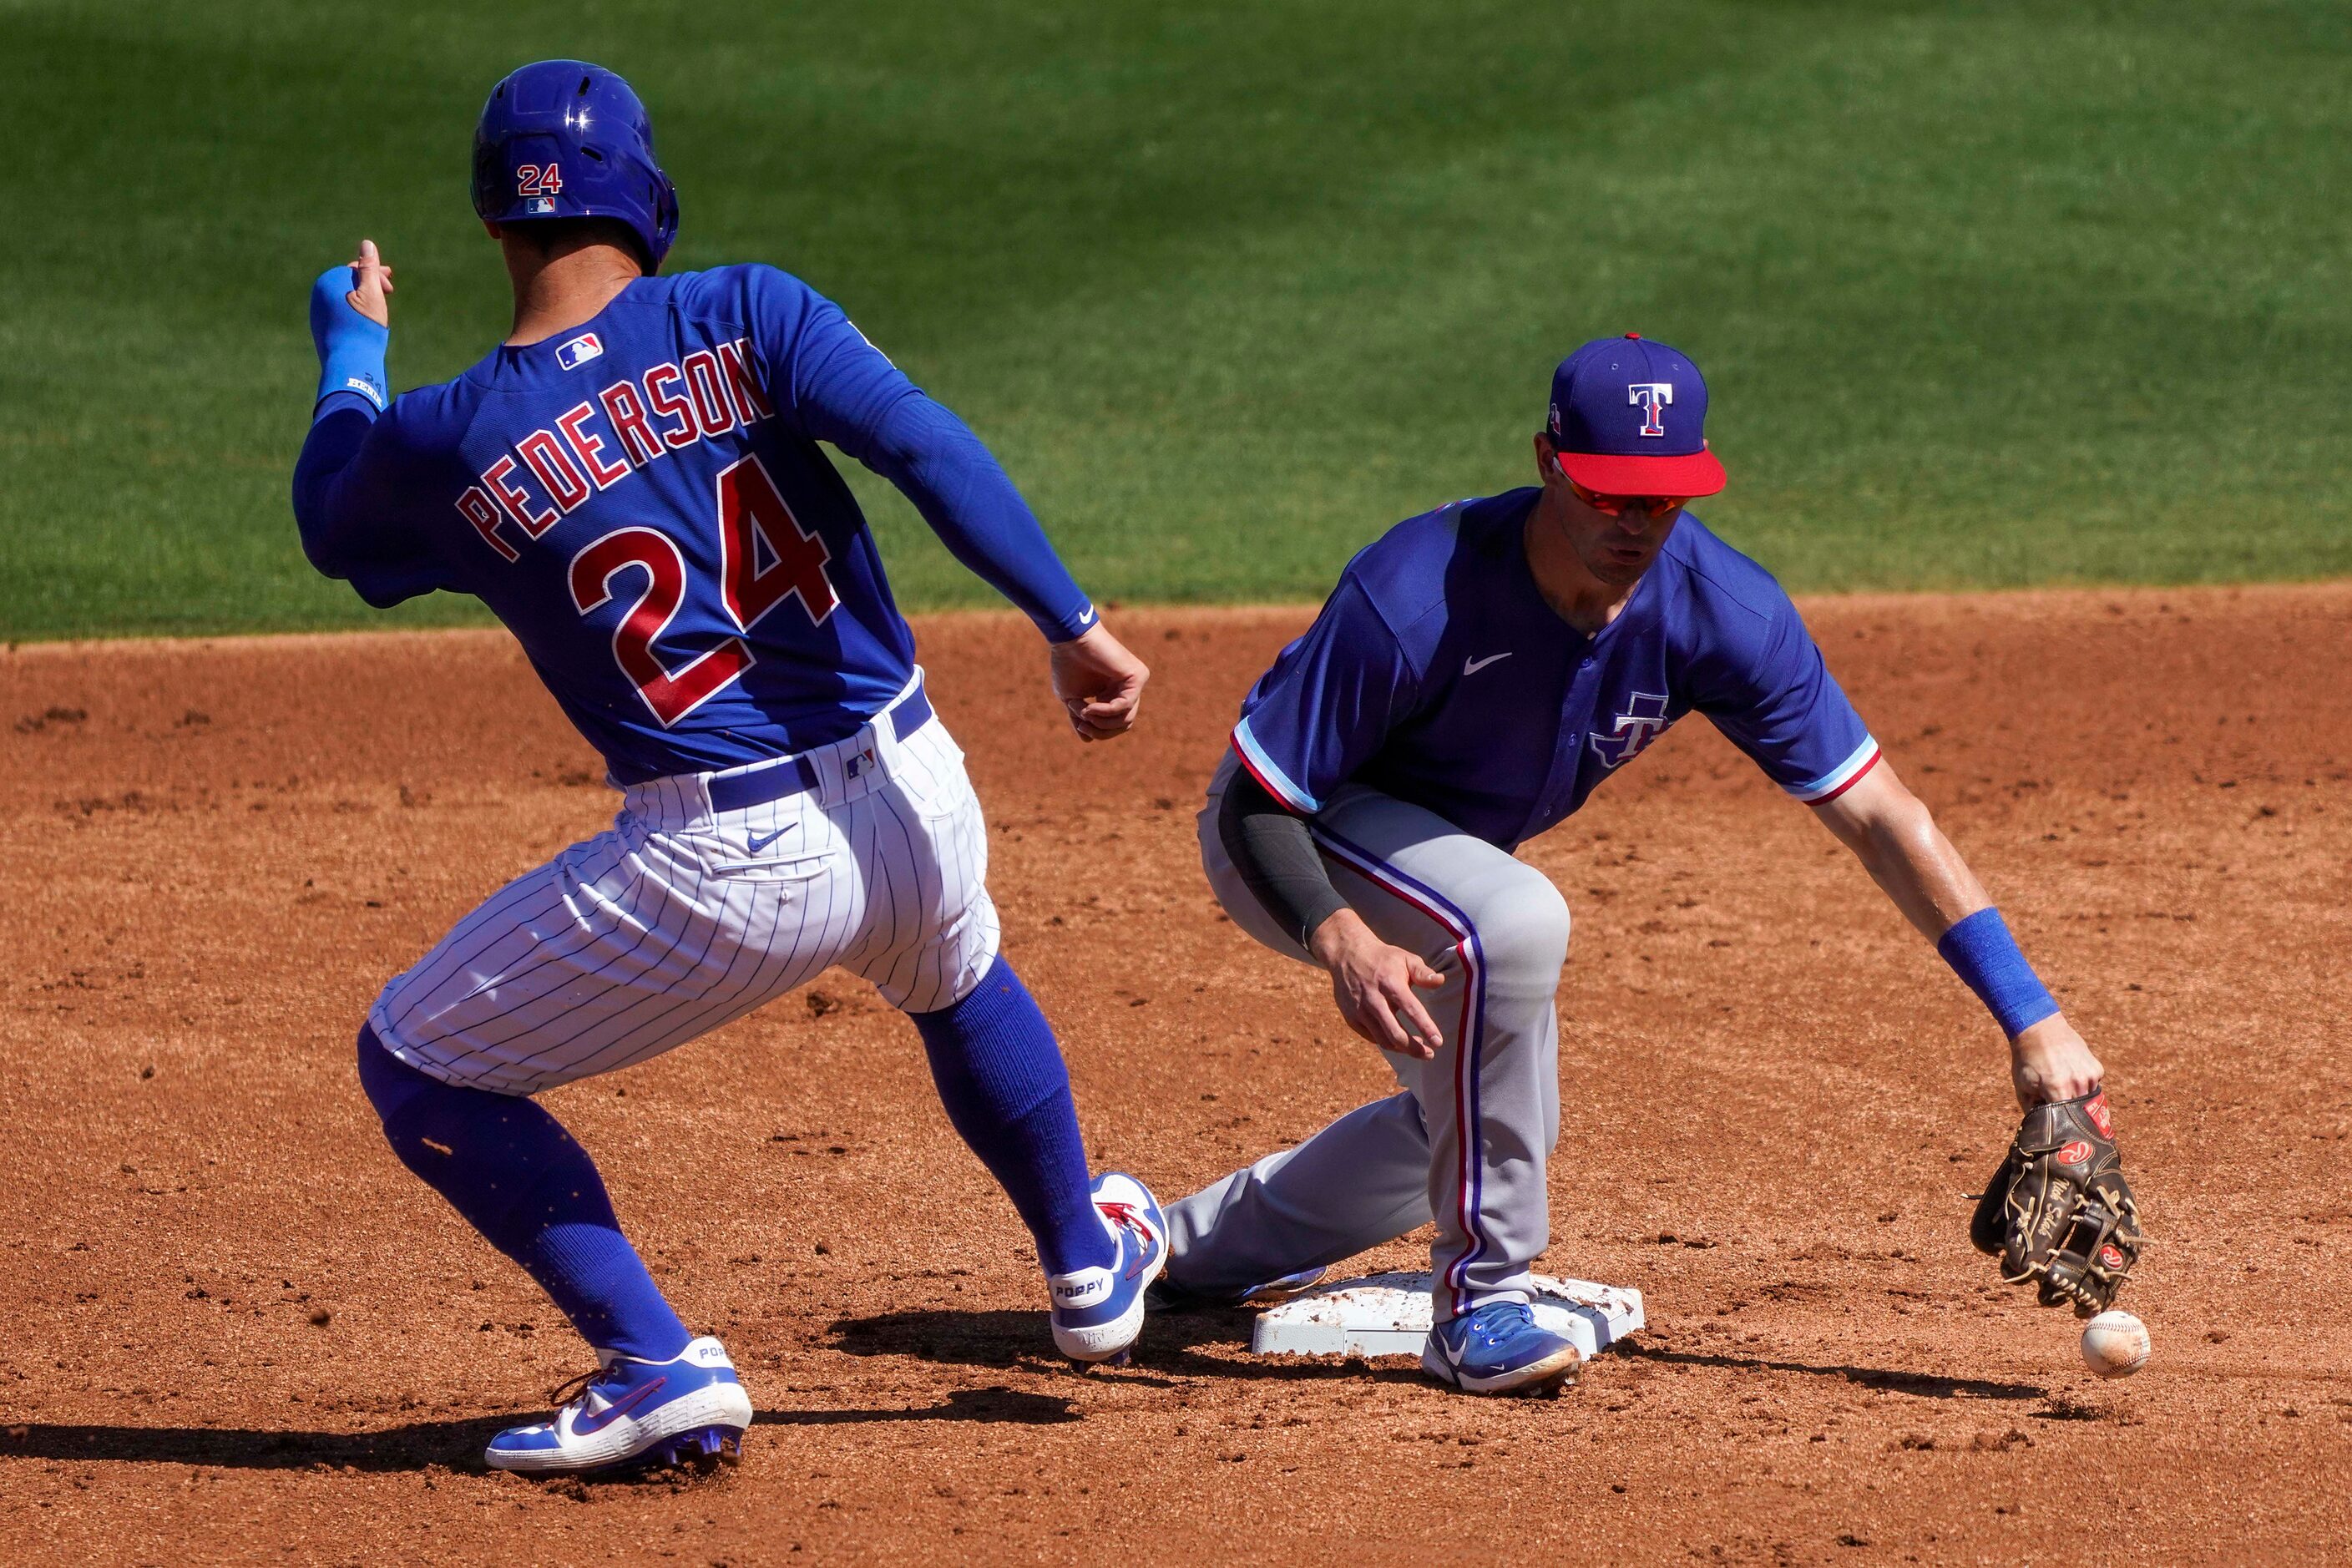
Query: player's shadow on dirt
point(1175, 1344)
point(1925, 1385)
point(1172, 1343)
point(451, 1444)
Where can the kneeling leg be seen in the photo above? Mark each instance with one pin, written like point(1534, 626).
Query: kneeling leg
point(1359, 1182)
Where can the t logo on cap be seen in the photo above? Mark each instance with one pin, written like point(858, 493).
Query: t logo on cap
point(1609, 430)
point(1651, 396)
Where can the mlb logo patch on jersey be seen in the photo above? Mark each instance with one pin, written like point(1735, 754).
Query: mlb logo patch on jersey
point(580, 350)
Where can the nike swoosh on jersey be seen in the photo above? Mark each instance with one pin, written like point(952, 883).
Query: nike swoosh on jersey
point(1472, 666)
point(759, 841)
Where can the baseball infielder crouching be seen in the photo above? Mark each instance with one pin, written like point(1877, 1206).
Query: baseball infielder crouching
point(1475, 674)
point(632, 483)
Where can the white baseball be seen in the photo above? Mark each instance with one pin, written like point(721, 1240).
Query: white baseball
point(2116, 1344)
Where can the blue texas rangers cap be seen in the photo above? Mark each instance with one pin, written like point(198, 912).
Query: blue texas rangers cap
point(1629, 417)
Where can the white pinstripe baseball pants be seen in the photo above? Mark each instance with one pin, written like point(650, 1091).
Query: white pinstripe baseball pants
point(681, 918)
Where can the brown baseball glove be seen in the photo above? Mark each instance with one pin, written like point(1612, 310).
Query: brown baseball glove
point(2059, 1212)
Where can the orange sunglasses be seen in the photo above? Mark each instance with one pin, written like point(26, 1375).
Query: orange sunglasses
point(1614, 506)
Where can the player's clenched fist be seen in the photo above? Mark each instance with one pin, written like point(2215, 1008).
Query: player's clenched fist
point(1099, 682)
point(2049, 1061)
point(1373, 985)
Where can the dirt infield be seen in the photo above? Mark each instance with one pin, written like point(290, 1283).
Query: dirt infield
point(236, 1329)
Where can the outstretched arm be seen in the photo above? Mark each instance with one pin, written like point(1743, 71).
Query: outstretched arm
point(970, 504)
point(838, 387)
point(1896, 837)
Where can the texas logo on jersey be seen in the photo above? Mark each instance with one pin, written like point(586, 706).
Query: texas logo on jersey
point(1643, 720)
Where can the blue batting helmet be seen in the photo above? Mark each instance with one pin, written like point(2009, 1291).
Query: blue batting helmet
point(566, 138)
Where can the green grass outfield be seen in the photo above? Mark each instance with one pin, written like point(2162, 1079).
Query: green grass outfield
point(1989, 294)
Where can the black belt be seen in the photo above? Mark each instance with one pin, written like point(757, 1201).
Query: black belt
point(797, 774)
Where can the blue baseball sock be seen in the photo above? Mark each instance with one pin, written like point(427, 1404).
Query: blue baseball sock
point(1002, 1079)
point(517, 1177)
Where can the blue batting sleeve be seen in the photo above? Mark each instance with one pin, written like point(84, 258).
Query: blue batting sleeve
point(970, 504)
point(826, 379)
point(1329, 703)
point(350, 347)
point(343, 481)
point(1983, 952)
point(1770, 692)
point(348, 479)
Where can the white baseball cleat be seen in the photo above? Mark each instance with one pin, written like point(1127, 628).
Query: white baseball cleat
point(1097, 1312)
point(630, 1413)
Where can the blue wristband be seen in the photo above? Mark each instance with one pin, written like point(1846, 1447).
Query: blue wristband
point(1983, 952)
point(350, 347)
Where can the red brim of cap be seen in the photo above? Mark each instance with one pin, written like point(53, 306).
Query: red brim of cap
point(1692, 474)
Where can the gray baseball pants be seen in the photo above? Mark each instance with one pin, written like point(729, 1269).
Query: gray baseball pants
point(1465, 1141)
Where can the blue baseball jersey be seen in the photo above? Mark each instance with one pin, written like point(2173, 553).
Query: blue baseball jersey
point(1438, 674)
point(642, 502)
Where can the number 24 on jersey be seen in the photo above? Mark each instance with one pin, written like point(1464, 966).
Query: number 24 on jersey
point(766, 557)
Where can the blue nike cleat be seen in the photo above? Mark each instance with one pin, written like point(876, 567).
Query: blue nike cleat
point(632, 1414)
point(1166, 1296)
point(1097, 1312)
point(1499, 1349)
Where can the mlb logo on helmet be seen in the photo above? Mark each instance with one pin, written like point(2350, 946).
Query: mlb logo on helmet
point(580, 350)
point(539, 206)
point(1629, 417)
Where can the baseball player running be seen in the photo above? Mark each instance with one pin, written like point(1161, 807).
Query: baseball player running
point(632, 482)
point(1475, 674)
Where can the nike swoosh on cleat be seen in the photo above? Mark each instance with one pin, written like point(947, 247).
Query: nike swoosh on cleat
point(1472, 666)
point(611, 1412)
point(761, 840)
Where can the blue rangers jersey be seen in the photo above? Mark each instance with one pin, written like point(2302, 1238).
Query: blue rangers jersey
point(1438, 674)
point(642, 502)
